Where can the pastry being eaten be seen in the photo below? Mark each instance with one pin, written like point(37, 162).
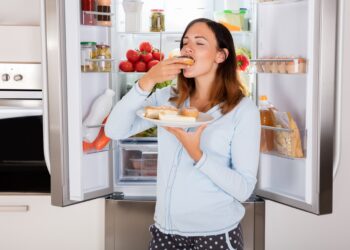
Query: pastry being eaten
point(186, 60)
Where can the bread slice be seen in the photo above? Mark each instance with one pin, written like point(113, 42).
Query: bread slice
point(175, 117)
point(152, 112)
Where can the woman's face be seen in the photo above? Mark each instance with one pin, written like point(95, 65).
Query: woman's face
point(200, 43)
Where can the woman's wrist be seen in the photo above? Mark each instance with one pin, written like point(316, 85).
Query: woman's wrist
point(146, 84)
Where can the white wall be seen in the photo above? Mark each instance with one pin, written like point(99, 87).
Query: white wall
point(291, 229)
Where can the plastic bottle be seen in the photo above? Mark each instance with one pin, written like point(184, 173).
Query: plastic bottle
point(98, 112)
point(266, 118)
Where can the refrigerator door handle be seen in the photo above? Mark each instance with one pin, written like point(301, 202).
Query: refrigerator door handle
point(339, 81)
point(44, 79)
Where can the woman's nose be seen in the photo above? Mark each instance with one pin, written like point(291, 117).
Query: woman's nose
point(188, 50)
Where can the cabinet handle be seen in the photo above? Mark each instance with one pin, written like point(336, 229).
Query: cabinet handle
point(14, 208)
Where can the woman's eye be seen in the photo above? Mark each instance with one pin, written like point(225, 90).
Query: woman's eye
point(200, 43)
point(184, 44)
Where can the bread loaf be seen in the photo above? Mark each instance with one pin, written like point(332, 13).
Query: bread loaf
point(287, 142)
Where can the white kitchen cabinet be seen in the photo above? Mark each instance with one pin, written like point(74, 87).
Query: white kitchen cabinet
point(32, 223)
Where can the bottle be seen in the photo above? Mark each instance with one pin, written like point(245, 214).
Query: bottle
point(266, 119)
point(98, 112)
point(104, 6)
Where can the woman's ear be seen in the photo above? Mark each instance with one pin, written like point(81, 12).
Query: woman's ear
point(222, 55)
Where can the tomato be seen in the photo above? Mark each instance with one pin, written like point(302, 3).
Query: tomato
point(140, 66)
point(146, 57)
point(150, 64)
point(102, 140)
point(145, 46)
point(126, 66)
point(132, 55)
point(157, 55)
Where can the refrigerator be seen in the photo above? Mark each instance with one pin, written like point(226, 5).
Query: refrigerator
point(299, 34)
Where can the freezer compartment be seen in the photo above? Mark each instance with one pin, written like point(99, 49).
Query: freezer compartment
point(137, 161)
point(126, 219)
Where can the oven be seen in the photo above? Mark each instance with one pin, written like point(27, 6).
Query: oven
point(22, 162)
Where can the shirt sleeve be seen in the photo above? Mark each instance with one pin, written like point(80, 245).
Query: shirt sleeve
point(238, 180)
point(123, 121)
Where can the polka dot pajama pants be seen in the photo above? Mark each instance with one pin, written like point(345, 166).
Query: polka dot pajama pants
point(229, 241)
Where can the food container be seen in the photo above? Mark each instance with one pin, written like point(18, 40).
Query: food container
point(281, 67)
point(266, 66)
point(146, 167)
point(298, 65)
point(274, 66)
point(87, 6)
point(104, 56)
point(104, 7)
point(88, 51)
point(157, 20)
point(229, 19)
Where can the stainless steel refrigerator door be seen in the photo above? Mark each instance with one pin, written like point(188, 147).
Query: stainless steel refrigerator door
point(69, 173)
point(127, 224)
point(310, 187)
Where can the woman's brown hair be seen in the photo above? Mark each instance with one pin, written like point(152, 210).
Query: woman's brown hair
point(227, 90)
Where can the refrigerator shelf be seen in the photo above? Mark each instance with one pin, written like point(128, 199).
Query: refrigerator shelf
point(278, 65)
point(278, 1)
point(276, 128)
point(90, 18)
point(95, 126)
point(147, 33)
point(276, 154)
point(107, 148)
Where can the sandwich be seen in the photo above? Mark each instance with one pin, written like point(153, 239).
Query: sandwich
point(175, 117)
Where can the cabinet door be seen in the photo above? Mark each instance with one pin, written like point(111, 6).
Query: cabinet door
point(76, 175)
point(304, 87)
point(30, 222)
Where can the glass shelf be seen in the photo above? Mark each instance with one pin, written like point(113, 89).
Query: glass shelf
point(95, 126)
point(276, 128)
point(276, 154)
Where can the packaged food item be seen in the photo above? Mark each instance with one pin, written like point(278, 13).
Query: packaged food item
point(298, 65)
point(157, 20)
point(103, 53)
point(287, 143)
point(88, 18)
point(266, 118)
point(100, 108)
point(281, 66)
point(104, 6)
point(231, 20)
point(88, 51)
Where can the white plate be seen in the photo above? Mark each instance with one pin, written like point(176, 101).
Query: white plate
point(202, 119)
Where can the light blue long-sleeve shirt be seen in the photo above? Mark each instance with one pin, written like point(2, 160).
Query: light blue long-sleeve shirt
point(203, 198)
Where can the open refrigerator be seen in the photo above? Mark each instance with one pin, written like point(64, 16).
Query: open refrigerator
point(280, 34)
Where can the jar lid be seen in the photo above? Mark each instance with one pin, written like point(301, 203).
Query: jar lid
point(102, 46)
point(87, 43)
point(228, 11)
point(157, 10)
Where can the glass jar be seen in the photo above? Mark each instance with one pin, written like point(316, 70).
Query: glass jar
point(157, 20)
point(88, 52)
point(104, 56)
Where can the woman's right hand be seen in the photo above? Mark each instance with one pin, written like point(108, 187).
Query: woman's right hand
point(164, 70)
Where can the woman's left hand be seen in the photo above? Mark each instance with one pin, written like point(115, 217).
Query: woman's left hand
point(190, 140)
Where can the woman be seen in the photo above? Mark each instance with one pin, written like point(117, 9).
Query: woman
point(203, 174)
